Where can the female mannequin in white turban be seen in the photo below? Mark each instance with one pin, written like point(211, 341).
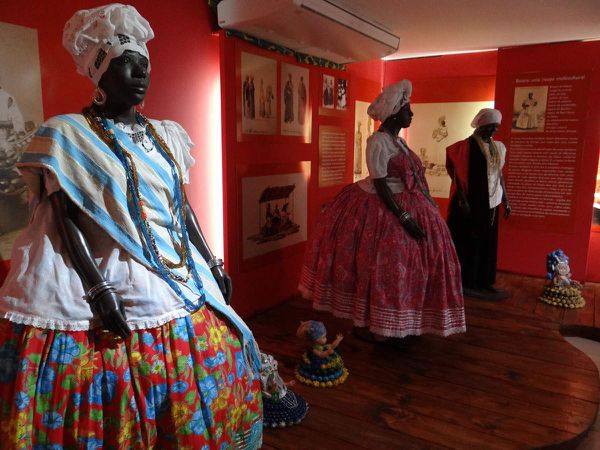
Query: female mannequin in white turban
point(381, 254)
point(115, 328)
point(475, 167)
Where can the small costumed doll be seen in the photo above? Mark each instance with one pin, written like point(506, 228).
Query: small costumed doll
point(281, 406)
point(561, 290)
point(321, 366)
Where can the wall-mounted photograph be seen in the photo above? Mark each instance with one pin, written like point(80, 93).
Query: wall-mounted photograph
point(20, 114)
point(529, 108)
point(295, 107)
point(328, 91)
point(342, 94)
point(274, 211)
point(435, 126)
point(258, 94)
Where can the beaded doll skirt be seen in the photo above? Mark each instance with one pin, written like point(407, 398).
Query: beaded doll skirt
point(183, 385)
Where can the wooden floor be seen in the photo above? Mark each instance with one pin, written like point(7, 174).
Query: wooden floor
point(511, 381)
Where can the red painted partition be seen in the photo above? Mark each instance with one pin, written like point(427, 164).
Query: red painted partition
point(452, 78)
point(185, 78)
point(266, 280)
point(525, 241)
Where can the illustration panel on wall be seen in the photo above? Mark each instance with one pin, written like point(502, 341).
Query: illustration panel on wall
point(342, 94)
point(295, 106)
point(20, 114)
point(529, 108)
point(258, 94)
point(363, 128)
point(435, 126)
point(274, 211)
point(328, 91)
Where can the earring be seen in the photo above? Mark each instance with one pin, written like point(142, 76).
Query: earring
point(99, 96)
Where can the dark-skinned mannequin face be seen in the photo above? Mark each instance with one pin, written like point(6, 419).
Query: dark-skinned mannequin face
point(125, 83)
point(401, 119)
point(485, 132)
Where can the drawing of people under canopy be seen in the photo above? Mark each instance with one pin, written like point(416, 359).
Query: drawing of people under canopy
point(276, 214)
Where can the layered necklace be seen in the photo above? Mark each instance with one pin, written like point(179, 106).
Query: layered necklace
point(139, 137)
point(163, 266)
point(492, 158)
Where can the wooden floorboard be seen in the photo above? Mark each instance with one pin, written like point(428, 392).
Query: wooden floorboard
point(511, 381)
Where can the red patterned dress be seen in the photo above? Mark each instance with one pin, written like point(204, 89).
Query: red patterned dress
point(361, 264)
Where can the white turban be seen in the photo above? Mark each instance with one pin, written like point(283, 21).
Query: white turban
point(391, 99)
point(486, 116)
point(96, 36)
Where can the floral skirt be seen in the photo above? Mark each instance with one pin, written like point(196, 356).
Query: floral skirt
point(183, 385)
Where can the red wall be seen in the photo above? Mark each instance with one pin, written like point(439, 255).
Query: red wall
point(266, 280)
point(185, 71)
point(454, 78)
point(524, 250)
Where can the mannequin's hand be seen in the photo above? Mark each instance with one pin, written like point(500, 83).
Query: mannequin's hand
point(224, 282)
point(507, 210)
point(413, 228)
point(109, 306)
point(465, 208)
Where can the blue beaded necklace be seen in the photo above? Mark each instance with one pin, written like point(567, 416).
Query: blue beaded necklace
point(160, 264)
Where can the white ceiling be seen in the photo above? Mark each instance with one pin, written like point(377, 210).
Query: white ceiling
point(434, 27)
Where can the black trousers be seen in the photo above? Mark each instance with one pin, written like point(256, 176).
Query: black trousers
point(477, 249)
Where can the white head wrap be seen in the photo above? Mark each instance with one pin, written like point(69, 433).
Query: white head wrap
point(95, 36)
point(486, 116)
point(391, 99)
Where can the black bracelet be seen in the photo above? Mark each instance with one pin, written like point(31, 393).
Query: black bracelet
point(214, 262)
point(404, 217)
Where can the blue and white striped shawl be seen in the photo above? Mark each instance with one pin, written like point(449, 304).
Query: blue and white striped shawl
point(92, 176)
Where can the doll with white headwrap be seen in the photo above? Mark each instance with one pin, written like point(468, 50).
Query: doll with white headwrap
point(477, 190)
point(115, 326)
point(381, 254)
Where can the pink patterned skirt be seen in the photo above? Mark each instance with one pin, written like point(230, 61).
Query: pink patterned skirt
point(361, 264)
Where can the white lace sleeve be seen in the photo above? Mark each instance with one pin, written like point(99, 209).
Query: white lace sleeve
point(379, 151)
point(179, 143)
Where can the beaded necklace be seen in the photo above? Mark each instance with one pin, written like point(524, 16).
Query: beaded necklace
point(492, 158)
point(163, 266)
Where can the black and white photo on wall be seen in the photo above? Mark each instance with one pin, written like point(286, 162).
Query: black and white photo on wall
point(342, 94)
point(328, 91)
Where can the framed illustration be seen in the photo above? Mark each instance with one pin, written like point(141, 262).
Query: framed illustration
point(363, 128)
point(529, 109)
point(258, 94)
point(437, 126)
point(296, 114)
point(327, 92)
point(20, 114)
point(342, 94)
point(274, 205)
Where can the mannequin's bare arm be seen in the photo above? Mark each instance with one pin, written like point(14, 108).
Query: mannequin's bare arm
point(197, 238)
point(407, 221)
point(105, 301)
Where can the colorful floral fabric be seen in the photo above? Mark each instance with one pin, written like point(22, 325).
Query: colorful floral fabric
point(183, 385)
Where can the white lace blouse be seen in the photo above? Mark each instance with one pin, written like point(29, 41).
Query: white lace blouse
point(44, 290)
